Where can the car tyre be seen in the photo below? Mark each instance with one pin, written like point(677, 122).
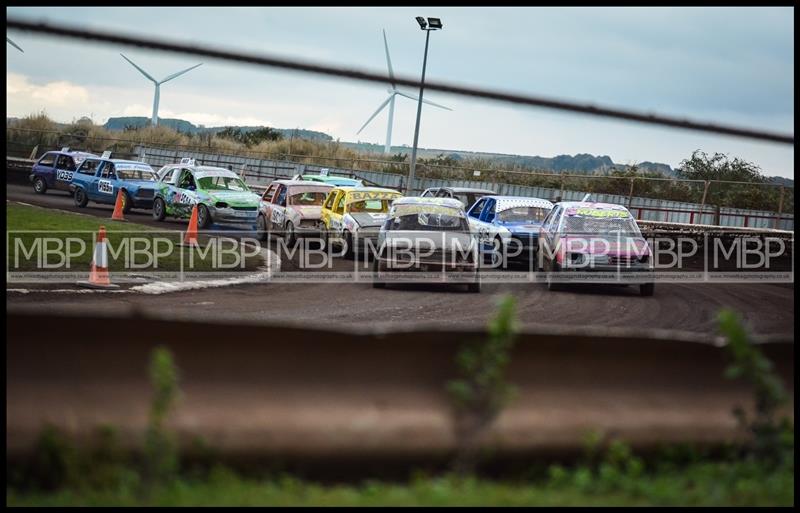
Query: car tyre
point(262, 231)
point(159, 209)
point(551, 285)
point(375, 283)
point(39, 185)
point(350, 252)
point(203, 217)
point(80, 197)
point(291, 237)
point(475, 287)
point(127, 202)
point(647, 289)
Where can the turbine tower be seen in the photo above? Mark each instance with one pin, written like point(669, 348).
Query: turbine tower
point(158, 84)
point(390, 101)
point(15, 45)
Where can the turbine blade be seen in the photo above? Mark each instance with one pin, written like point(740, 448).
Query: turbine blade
point(388, 59)
point(416, 99)
point(176, 75)
point(375, 114)
point(14, 44)
point(143, 72)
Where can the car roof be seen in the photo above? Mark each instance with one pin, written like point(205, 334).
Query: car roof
point(419, 200)
point(304, 183)
point(506, 202)
point(348, 188)
point(126, 161)
point(592, 204)
point(466, 189)
point(74, 153)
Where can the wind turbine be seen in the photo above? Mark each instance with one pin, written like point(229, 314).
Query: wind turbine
point(390, 101)
point(158, 84)
point(15, 45)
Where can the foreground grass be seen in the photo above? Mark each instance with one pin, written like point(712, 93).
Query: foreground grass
point(698, 484)
point(144, 239)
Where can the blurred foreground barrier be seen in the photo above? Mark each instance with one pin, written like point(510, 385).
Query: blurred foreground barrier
point(268, 390)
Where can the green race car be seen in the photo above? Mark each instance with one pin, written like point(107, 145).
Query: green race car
point(220, 195)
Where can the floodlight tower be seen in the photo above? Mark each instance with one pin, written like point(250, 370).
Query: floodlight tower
point(158, 84)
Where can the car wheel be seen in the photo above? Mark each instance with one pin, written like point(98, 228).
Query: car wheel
point(375, 283)
point(647, 289)
point(127, 202)
point(475, 286)
point(291, 238)
point(159, 209)
point(80, 197)
point(39, 185)
point(262, 232)
point(552, 285)
point(203, 217)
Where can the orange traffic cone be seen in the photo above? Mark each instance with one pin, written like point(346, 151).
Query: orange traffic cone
point(98, 275)
point(191, 232)
point(117, 215)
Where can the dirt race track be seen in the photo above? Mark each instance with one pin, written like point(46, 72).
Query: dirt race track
point(768, 308)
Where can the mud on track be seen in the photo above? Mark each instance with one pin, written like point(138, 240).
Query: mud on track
point(768, 308)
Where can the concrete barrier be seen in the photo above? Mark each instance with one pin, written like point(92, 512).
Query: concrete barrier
point(287, 391)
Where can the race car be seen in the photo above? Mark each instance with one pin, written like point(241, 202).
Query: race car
point(220, 195)
point(100, 179)
point(595, 237)
point(508, 226)
point(54, 170)
point(291, 207)
point(354, 214)
point(466, 195)
point(428, 235)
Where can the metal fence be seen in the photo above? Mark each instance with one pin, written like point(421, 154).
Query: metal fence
point(260, 169)
point(260, 172)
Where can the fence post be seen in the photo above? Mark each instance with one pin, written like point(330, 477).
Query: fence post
point(780, 209)
point(630, 195)
point(703, 201)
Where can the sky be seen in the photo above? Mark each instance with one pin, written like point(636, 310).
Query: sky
point(732, 65)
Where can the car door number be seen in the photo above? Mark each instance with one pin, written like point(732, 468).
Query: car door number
point(64, 176)
point(185, 199)
point(105, 187)
point(277, 215)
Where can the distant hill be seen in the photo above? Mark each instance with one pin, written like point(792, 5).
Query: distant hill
point(187, 127)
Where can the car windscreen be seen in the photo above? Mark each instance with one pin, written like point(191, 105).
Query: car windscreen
point(523, 214)
point(424, 221)
point(308, 198)
point(222, 183)
point(580, 225)
point(136, 174)
point(374, 206)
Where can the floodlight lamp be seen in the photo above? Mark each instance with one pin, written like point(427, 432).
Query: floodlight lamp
point(435, 23)
point(422, 22)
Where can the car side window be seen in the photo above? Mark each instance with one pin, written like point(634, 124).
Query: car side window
point(476, 209)
point(108, 171)
point(443, 193)
point(328, 205)
point(186, 180)
point(488, 214)
point(554, 219)
point(65, 162)
point(429, 193)
point(269, 193)
point(167, 175)
point(340, 204)
point(281, 198)
point(88, 167)
point(47, 160)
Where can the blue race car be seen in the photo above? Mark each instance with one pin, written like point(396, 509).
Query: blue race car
point(508, 225)
point(100, 179)
point(54, 170)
